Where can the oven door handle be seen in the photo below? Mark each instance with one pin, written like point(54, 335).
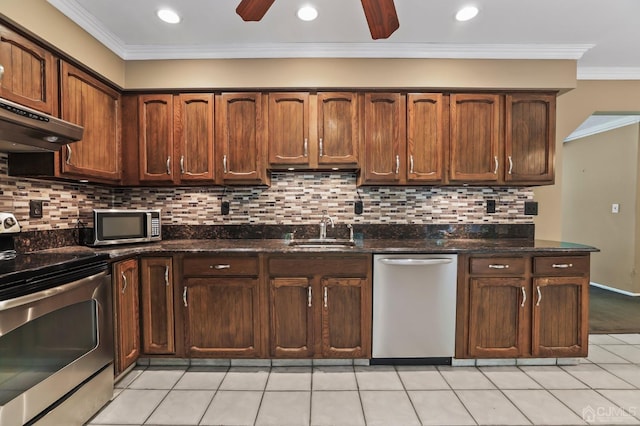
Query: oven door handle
point(44, 294)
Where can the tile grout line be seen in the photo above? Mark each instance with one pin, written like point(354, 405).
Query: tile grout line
point(404, 387)
point(164, 397)
point(506, 396)
point(213, 397)
point(264, 389)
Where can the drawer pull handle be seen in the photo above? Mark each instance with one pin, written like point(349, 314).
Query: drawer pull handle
point(562, 265)
point(321, 148)
point(224, 163)
point(169, 165)
point(166, 276)
point(524, 296)
point(69, 153)
point(309, 296)
point(124, 283)
point(495, 159)
point(510, 165)
point(219, 267)
point(498, 266)
point(184, 297)
point(539, 295)
point(306, 147)
point(397, 164)
point(182, 164)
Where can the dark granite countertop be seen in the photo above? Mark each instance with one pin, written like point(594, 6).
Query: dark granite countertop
point(476, 246)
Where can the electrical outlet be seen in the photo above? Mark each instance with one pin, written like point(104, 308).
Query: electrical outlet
point(35, 209)
point(358, 207)
point(491, 206)
point(224, 208)
point(615, 208)
point(531, 208)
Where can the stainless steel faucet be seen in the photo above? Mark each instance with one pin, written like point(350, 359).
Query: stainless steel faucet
point(323, 224)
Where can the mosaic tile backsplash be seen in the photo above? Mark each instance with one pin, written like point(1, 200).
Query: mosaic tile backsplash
point(293, 199)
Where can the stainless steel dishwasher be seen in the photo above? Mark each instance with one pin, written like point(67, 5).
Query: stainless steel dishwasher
point(414, 308)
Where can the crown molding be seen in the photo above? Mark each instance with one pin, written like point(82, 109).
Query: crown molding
point(608, 73)
point(613, 124)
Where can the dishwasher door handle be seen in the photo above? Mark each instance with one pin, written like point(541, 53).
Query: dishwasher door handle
point(416, 262)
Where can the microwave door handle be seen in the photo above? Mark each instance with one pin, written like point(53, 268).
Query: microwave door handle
point(148, 225)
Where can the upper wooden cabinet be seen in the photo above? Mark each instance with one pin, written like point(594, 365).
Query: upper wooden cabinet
point(426, 124)
point(29, 76)
point(475, 138)
point(95, 106)
point(193, 126)
point(155, 130)
point(338, 128)
point(289, 128)
point(313, 130)
point(241, 138)
point(384, 138)
point(530, 138)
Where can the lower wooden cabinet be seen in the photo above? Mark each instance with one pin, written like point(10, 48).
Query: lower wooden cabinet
point(126, 324)
point(527, 306)
point(221, 304)
point(320, 306)
point(157, 305)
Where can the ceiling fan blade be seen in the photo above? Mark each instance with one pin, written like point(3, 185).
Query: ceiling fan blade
point(381, 17)
point(253, 10)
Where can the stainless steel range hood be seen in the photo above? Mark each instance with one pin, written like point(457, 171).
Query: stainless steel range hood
point(24, 129)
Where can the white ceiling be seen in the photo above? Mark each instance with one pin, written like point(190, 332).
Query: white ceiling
point(603, 35)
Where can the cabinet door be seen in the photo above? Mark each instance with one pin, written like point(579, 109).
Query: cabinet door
point(346, 319)
point(222, 317)
point(127, 328)
point(194, 137)
point(29, 73)
point(530, 138)
point(96, 107)
point(155, 132)
point(338, 132)
point(289, 128)
point(498, 317)
point(475, 137)
point(425, 140)
point(291, 302)
point(384, 138)
point(240, 138)
point(157, 305)
point(560, 316)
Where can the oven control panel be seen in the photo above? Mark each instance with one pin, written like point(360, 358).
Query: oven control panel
point(8, 223)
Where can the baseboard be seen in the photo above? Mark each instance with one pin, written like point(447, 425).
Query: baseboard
point(615, 290)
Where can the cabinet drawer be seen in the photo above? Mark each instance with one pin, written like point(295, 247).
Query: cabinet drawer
point(497, 265)
point(220, 266)
point(564, 265)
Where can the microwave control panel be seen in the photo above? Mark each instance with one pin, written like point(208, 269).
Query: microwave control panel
point(155, 227)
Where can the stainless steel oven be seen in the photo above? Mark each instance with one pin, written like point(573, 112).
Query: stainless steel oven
point(56, 343)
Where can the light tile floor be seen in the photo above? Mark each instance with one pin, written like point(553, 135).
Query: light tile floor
point(603, 389)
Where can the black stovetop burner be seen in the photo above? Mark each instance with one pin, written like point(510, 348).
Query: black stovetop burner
point(31, 272)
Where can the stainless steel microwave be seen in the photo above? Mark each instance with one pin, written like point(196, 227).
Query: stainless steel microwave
point(112, 226)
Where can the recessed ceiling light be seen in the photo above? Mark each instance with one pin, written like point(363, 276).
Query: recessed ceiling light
point(467, 13)
point(307, 13)
point(168, 16)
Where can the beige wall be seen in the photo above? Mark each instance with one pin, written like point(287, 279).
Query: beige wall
point(598, 171)
point(572, 109)
point(351, 73)
point(46, 22)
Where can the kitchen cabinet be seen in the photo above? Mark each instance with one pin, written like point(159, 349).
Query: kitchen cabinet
point(155, 143)
point(194, 137)
point(288, 128)
point(522, 306)
point(221, 297)
point(30, 75)
point(384, 138)
point(86, 101)
point(156, 284)
point(426, 124)
point(475, 138)
point(313, 131)
point(320, 306)
point(241, 138)
point(530, 138)
point(126, 324)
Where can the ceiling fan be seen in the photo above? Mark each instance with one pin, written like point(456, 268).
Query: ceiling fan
point(381, 14)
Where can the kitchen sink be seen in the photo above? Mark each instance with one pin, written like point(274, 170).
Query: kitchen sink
point(322, 243)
